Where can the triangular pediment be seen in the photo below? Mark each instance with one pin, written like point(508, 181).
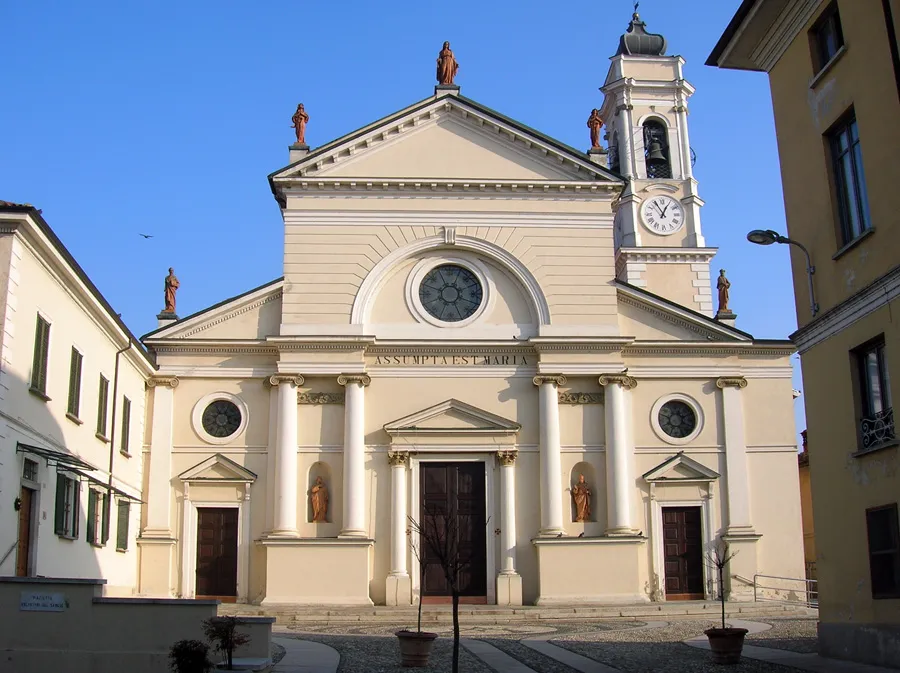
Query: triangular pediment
point(253, 315)
point(680, 468)
point(649, 317)
point(452, 417)
point(218, 468)
point(448, 137)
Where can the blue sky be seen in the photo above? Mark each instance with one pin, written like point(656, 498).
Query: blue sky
point(165, 118)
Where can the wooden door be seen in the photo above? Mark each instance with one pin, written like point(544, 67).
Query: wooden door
point(23, 546)
point(683, 553)
point(217, 552)
point(453, 502)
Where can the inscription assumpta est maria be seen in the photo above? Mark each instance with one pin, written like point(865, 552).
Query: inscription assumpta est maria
point(470, 360)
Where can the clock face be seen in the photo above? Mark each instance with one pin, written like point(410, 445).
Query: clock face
point(662, 214)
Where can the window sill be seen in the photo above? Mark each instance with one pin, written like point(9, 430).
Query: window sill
point(39, 393)
point(125, 453)
point(72, 417)
point(121, 551)
point(827, 67)
point(97, 545)
point(875, 449)
point(103, 438)
point(847, 247)
point(65, 536)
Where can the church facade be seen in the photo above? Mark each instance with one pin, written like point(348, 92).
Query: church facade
point(479, 325)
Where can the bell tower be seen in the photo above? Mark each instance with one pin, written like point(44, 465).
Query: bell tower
point(659, 241)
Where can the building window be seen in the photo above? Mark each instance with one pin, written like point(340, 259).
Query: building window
point(30, 470)
point(884, 551)
point(41, 357)
point(656, 150)
point(102, 407)
point(126, 424)
point(68, 496)
point(876, 423)
point(826, 37)
point(74, 404)
point(97, 518)
point(124, 512)
point(849, 180)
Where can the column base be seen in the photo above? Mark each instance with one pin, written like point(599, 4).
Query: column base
point(509, 589)
point(621, 532)
point(551, 532)
point(156, 570)
point(280, 534)
point(398, 590)
point(744, 565)
point(353, 533)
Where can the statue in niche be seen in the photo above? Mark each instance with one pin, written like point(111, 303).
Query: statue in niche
point(723, 285)
point(582, 496)
point(171, 288)
point(318, 499)
point(447, 67)
point(300, 119)
point(595, 123)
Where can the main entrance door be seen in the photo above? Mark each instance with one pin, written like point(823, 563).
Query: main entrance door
point(683, 553)
point(453, 503)
point(217, 550)
point(23, 546)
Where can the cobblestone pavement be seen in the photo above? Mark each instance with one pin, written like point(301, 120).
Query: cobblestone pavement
point(630, 646)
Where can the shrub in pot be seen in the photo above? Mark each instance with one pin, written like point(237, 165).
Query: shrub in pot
point(726, 642)
point(189, 656)
point(223, 634)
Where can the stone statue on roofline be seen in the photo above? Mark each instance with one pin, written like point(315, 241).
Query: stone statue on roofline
point(447, 67)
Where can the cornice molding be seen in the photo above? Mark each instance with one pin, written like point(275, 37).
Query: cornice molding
point(783, 31)
point(449, 348)
point(224, 317)
point(669, 317)
point(444, 188)
point(667, 255)
point(713, 348)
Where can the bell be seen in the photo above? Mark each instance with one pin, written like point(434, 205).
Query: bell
point(655, 154)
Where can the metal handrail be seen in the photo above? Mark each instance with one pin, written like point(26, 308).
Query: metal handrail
point(810, 590)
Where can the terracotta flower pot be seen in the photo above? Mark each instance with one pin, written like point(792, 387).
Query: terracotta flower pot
point(415, 646)
point(726, 644)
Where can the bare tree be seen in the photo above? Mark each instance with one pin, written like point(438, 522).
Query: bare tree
point(718, 557)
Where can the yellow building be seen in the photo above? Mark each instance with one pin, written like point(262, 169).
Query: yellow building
point(806, 513)
point(834, 71)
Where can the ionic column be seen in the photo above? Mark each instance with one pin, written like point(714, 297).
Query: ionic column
point(159, 491)
point(550, 459)
point(271, 453)
point(286, 454)
point(737, 475)
point(619, 452)
point(399, 461)
point(354, 496)
point(507, 511)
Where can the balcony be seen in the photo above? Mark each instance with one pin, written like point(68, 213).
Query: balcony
point(877, 430)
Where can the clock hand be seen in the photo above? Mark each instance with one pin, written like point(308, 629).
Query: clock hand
point(658, 209)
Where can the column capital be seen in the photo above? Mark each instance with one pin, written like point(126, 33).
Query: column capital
point(167, 381)
point(361, 379)
point(541, 379)
point(507, 458)
point(295, 380)
point(622, 379)
point(731, 382)
point(398, 458)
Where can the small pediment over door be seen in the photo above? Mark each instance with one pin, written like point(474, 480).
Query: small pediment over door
point(680, 469)
point(452, 421)
point(219, 469)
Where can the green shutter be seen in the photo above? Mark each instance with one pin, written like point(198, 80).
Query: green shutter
point(105, 503)
point(126, 423)
point(75, 383)
point(91, 513)
point(60, 521)
point(76, 507)
point(102, 404)
point(122, 525)
point(41, 352)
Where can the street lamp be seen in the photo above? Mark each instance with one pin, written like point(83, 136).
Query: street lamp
point(768, 237)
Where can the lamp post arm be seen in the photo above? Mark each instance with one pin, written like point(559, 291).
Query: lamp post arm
point(810, 270)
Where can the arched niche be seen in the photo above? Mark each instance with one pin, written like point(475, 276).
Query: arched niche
point(590, 479)
point(319, 470)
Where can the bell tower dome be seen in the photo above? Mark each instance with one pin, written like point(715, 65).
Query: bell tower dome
point(659, 241)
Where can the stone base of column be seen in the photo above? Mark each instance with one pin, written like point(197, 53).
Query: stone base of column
point(155, 579)
point(741, 569)
point(398, 590)
point(621, 532)
point(353, 534)
point(551, 532)
point(281, 534)
point(509, 589)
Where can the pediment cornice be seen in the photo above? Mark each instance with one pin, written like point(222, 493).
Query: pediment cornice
point(427, 421)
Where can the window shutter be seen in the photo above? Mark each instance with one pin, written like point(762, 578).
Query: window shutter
point(75, 383)
point(76, 507)
point(105, 503)
point(60, 520)
point(126, 423)
point(91, 514)
point(122, 525)
point(102, 404)
point(41, 348)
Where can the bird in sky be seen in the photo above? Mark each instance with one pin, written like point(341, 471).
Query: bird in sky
point(146, 235)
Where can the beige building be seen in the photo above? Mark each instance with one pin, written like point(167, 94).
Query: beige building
point(834, 69)
point(71, 415)
point(472, 316)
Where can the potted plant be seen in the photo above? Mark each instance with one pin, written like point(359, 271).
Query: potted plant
point(223, 634)
point(189, 656)
point(415, 646)
point(726, 642)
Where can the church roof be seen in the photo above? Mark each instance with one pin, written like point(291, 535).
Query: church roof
point(638, 42)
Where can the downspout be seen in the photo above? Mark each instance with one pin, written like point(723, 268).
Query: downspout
point(892, 40)
point(112, 442)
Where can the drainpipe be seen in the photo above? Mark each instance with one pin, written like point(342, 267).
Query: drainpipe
point(112, 442)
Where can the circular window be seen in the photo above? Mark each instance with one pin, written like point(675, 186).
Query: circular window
point(450, 293)
point(676, 419)
point(221, 418)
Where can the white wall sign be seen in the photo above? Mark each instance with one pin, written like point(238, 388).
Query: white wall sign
point(42, 602)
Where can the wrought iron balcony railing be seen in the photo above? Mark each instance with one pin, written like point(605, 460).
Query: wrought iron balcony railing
point(877, 429)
